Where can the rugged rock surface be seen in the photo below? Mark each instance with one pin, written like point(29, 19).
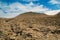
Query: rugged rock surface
point(30, 26)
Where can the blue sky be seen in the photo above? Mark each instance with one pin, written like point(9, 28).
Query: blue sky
point(8, 8)
point(40, 2)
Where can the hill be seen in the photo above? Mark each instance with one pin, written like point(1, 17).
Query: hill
point(58, 14)
point(30, 26)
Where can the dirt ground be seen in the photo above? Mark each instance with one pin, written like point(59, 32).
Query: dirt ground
point(30, 26)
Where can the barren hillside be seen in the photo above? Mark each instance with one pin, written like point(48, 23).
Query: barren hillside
point(30, 26)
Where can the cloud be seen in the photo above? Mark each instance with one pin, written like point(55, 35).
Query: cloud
point(30, 0)
point(36, 8)
point(52, 12)
point(54, 2)
point(14, 9)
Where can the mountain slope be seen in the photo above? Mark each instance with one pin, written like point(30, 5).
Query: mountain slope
point(31, 26)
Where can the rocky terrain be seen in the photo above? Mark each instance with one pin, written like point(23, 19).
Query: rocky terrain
point(30, 26)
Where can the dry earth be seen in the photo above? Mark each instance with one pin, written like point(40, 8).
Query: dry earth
point(30, 26)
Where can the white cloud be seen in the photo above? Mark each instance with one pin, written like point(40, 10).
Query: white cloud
point(52, 12)
point(54, 2)
point(12, 10)
point(30, 0)
point(17, 8)
point(36, 8)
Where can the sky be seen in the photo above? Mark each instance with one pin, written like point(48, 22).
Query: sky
point(13, 8)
